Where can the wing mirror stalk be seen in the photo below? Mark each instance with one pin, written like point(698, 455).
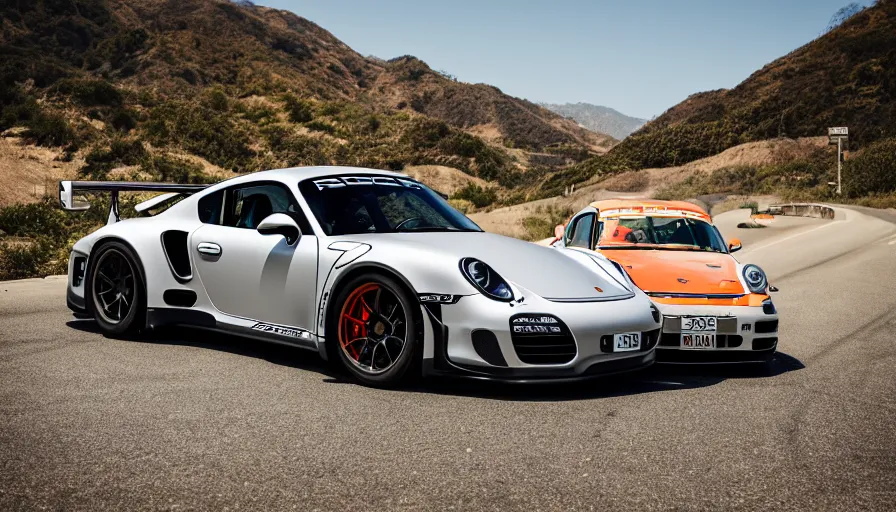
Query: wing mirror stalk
point(280, 224)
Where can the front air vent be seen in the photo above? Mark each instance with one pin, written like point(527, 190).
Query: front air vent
point(764, 343)
point(541, 339)
point(179, 298)
point(486, 344)
point(766, 326)
point(174, 244)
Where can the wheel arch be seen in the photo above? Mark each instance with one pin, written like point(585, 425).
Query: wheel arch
point(100, 243)
point(366, 267)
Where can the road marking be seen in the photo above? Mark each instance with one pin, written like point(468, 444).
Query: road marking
point(788, 238)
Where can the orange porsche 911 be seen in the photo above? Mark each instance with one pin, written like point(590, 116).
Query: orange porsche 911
point(715, 309)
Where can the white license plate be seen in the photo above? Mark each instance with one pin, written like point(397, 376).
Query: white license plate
point(698, 341)
point(627, 341)
point(698, 324)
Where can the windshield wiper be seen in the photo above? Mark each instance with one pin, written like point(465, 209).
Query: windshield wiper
point(434, 229)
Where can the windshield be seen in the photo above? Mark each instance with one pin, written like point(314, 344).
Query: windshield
point(377, 204)
point(648, 232)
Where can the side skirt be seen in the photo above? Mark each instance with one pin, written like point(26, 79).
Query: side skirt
point(272, 333)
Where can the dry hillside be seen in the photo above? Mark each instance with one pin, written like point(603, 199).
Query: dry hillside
point(147, 85)
point(847, 77)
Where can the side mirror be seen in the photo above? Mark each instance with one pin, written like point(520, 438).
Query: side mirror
point(280, 224)
point(734, 245)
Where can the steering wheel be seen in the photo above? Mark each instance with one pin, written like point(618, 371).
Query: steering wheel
point(405, 222)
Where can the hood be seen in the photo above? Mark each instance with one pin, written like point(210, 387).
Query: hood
point(675, 271)
point(547, 272)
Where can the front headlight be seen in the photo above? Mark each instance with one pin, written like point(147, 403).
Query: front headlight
point(755, 279)
point(486, 280)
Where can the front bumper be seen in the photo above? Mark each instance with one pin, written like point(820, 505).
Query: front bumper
point(475, 337)
point(744, 334)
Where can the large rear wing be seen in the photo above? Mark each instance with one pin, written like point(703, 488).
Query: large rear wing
point(72, 202)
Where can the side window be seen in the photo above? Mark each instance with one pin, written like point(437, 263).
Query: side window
point(580, 231)
point(246, 206)
point(211, 208)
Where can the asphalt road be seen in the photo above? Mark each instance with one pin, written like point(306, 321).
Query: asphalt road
point(203, 421)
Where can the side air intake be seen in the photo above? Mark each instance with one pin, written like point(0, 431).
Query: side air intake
point(174, 243)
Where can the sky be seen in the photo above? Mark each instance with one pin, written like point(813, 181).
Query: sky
point(640, 57)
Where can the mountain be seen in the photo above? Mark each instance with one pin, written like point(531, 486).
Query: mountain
point(597, 118)
point(847, 77)
point(171, 89)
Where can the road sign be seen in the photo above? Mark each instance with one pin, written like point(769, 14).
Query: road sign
point(837, 139)
point(838, 135)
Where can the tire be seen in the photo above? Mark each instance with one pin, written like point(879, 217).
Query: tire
point(365, 342)
point(117, 302)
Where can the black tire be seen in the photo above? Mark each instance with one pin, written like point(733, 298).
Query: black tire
point(109, 291)
point(401, 368)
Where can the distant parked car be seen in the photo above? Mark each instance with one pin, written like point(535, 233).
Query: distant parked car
point(715, 309)
point(368, 268)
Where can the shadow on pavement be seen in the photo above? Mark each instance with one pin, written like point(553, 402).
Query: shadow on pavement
point(273, 353)
point(659, 377)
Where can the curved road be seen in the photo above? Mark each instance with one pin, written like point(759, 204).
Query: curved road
point(203, 421)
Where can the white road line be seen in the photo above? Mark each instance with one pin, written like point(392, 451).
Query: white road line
point(789, 237)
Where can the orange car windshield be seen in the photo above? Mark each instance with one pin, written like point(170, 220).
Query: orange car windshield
point(649, 232)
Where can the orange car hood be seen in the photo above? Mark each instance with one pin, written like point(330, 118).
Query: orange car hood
point(677, 271)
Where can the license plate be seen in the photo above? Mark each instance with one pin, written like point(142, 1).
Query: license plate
point(698, 324)
point(627, 341)
point(698, 341)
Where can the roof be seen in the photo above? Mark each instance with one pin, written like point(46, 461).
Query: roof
point(323, 171)
point(613, 206)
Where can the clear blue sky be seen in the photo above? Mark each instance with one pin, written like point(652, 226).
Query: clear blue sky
point(637, 56)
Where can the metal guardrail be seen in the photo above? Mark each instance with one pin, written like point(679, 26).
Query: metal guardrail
point(819, 211)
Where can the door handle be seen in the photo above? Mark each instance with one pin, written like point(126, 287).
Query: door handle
point(209, 249)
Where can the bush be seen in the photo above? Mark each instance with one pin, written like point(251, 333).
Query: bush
point(49, 129)
point(90, 92)
point(20, 261)
point(99, 161)
point(541, 225)
point(214, 135)
point(299, 110)
point(872, 170)
point(321, 126)
point(176, 170)
point(479, 196)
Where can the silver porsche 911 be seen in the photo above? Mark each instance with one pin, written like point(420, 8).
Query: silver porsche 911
point(368, 268)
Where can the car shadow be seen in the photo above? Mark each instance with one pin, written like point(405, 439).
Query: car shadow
point(274, 353)
point(657, 378)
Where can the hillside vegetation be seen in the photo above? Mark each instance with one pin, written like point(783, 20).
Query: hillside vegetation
point(846, 77)
point(197, 90)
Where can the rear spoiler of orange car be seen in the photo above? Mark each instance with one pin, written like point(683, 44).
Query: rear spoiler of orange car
point(71, 201)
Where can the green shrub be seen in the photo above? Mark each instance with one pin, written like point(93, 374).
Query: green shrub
point(175, 169)
point(216, 136)
point(479, 196)
point(99, 161)
point(49, 129)
point(541, 225)
point(20, 261)
point(321, 126)
point(872, 170)
point(90, 92)
point(299, 110)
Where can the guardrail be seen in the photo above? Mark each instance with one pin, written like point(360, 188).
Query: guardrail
point(819, 211)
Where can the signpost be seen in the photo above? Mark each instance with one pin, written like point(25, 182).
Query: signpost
point(838, 135)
